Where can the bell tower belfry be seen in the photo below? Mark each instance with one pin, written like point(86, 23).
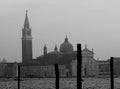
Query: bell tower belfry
point(26, 41)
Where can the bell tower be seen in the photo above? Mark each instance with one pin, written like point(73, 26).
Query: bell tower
point(26, 41)
point(45, 49)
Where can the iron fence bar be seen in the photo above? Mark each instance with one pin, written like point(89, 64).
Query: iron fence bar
point(18, 78)
point(57, 76)
point(79, 67)
point(112, 72)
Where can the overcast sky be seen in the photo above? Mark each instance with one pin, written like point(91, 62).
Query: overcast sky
point(92, 22)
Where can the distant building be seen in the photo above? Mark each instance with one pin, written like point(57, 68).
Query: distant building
point(103, 68)
point(65, 57)
point(26, 41)
point(36, 70)
point(10, 69)
point(43, 66)
point(2, 69)
point(89, 64)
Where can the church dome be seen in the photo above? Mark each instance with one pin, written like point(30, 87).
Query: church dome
point(66, 47)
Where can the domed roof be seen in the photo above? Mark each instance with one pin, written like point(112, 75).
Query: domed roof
point(66, 47)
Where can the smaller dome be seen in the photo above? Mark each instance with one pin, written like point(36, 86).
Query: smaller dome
point(55, 49)
point(66, 47)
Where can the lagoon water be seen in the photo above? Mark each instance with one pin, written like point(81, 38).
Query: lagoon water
point(65, 83)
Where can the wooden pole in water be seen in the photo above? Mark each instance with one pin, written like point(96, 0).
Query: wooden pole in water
point(18, 77)
point(112, 72)
point(57, 76)
point(79, 67)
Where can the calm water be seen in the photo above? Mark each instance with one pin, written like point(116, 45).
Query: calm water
point(65, 83)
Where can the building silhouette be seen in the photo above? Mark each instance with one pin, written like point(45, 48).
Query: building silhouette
point(65, 57)
point(26, 41)
point(43, 65)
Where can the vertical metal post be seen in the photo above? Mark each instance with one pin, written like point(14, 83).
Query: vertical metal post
point(57, 76)
point(112, 72)
point(79, 67)
point(18, 77)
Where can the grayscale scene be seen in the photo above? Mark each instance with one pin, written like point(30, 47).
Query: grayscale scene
point(39, 44)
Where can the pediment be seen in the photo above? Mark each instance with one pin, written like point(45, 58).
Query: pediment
point(87, 52)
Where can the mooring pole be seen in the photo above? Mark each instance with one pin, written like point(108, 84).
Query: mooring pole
point(57, 76)
point(79, 67)
point(18, 77)
point(112, 72)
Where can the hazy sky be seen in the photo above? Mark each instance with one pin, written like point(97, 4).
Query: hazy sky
point(92, 22)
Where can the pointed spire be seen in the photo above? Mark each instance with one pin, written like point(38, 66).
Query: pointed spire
point(55, 49)
point(45, 49)
point(26, 23)
point(92, 50)
point(66, 40)
point(85, 46)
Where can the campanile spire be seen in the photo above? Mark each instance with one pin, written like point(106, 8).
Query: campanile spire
point(26, 40)
point(26, 23)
